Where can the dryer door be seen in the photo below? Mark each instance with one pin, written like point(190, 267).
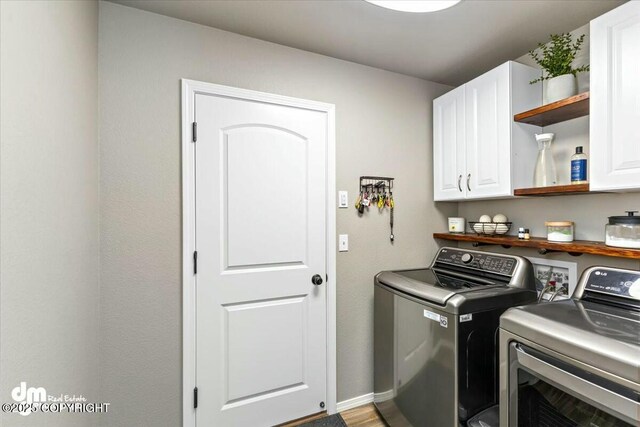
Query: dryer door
point(548, 391)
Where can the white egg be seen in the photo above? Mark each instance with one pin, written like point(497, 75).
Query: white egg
point(501, 228)
point(477, 228)
point(489, 228)
point(499, 218)
point(485, 218)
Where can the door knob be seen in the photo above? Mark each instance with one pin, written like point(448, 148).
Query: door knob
point(316, 279)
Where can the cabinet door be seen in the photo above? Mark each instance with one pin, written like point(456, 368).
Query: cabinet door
point(615, 99)
point(488, 135)
point(449, 146)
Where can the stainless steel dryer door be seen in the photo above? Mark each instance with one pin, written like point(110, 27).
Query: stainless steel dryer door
point(544, 390)
point(414, 361)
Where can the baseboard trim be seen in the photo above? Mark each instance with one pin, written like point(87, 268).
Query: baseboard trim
point(385, 395)
point(355, 402)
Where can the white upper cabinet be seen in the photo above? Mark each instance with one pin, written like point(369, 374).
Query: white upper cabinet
point(488, 134)
point(449, 145)
point(615, 99)
point(476, 146)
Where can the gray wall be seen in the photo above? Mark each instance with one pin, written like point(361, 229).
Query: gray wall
point(49, 244)
point(589, 212)
point(383, 127)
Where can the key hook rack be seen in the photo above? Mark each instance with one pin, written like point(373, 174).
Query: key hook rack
point(376, 191)
point(376, 182)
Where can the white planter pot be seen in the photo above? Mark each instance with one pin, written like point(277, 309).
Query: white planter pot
point(560, 87)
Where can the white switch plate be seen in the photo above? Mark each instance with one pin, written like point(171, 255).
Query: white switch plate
point(343, 243)
point(343, 199)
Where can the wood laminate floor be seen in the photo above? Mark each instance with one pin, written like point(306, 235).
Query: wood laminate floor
point(363, 416)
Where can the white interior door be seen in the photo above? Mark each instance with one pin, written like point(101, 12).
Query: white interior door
point(260, 232)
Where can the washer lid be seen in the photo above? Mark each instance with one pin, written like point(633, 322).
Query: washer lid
point(432, 286)
point(599, 335)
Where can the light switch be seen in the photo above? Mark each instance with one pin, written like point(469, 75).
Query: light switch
point(343, 199)
point(343, 243)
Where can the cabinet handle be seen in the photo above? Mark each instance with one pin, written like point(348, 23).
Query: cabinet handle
point(459, 179)
point(468, 179)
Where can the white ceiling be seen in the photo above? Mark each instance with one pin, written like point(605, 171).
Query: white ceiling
point(450, 46)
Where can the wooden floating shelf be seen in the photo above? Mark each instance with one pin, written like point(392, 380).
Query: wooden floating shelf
point(556, 190)
point(577, 247)
point(556, 112)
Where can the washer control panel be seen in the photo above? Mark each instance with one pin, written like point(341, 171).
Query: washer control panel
point(618, 283)
point(492, 263)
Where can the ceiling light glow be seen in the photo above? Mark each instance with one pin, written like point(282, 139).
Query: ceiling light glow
point(415, 6)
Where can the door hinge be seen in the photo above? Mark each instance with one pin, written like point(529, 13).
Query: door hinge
point(195, 262)
point(195, 397)
point(195, 131)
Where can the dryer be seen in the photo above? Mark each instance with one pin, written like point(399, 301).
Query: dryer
point(574, 362)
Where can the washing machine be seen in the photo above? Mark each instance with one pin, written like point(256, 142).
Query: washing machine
point(436, 335)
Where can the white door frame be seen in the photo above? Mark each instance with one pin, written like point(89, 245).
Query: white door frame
point(189, 89)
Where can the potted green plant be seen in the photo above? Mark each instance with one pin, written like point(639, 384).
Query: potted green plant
point(556, 59)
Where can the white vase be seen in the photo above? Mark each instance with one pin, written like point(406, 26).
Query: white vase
point(560, 87)
point(545, 174)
